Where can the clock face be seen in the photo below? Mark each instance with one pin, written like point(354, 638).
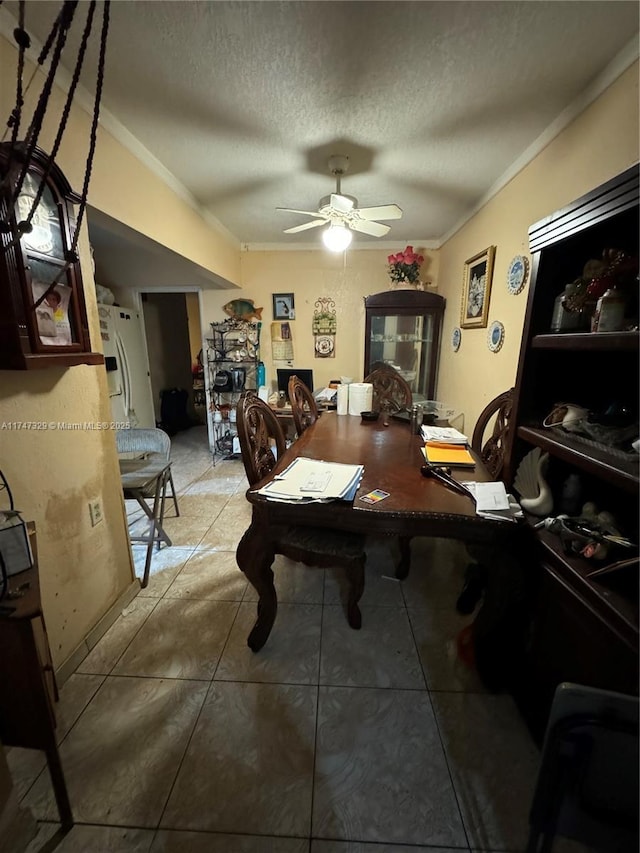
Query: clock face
point(45, 236)
point(324, 346)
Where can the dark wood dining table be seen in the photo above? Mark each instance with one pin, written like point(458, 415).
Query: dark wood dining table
point(416, 506)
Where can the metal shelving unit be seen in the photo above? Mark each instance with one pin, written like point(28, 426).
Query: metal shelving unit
point(233, 353)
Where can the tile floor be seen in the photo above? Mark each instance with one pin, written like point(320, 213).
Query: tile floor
point(176, 737)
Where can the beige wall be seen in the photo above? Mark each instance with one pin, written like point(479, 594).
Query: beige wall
point(55, 473)
point(309, 275)
point(599, 144)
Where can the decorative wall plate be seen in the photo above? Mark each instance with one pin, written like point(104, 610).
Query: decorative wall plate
point(517, 274)
point(495, 338)
point(324, 346)
point(456, 337)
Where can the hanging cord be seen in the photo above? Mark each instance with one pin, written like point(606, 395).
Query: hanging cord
point(21, 34)
point(72, 253)
point(4, 486)
point(23, 41)
point(25, 226)
point(35, 127)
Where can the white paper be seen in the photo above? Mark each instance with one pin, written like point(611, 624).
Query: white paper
point(446, 435)
point(491, 496)
point(510, 512)
point(330, 481)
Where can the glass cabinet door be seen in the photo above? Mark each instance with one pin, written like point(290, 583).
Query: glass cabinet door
point(403, 331)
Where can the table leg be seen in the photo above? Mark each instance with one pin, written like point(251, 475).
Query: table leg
point(402, 571)
point(59, 787)
point(254, 556)
point(355, 576)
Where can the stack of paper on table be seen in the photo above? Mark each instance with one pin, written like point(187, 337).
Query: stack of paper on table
point(492, 501)
point(452, 455)
point(443, 435)
point(312, 480)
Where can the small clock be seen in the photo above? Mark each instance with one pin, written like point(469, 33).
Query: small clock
point(517, 274)
point(324, 346)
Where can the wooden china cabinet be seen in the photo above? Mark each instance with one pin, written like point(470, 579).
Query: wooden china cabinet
point(402, 329)
point(583, 627)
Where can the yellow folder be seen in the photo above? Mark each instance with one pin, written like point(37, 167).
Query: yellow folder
point(455, 455)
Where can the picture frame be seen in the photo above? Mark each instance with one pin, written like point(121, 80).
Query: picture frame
point(476, 289)
point(284, 306)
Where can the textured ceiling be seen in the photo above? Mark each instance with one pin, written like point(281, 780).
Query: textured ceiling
point(433, 101)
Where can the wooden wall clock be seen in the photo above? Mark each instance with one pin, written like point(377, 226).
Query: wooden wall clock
point(43, 318)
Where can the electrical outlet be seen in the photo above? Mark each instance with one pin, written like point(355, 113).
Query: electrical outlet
point(95, 511)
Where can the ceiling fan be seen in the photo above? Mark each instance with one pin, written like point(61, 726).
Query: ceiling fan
point(342, 213)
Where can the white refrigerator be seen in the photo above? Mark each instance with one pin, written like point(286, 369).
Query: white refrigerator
point(127, 364)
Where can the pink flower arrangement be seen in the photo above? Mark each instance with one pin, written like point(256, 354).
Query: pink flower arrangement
point(405, 266)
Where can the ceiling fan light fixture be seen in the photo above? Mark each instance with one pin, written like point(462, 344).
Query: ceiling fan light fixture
point(337, 238)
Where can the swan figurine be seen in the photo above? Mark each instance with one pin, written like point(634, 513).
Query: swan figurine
point(534, 491)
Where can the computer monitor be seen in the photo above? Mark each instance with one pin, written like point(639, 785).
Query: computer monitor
point(305, 376)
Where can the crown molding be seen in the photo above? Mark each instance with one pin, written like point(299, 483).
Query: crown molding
point(354, 247)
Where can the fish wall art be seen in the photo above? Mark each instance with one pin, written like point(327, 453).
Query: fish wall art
point(242, 309)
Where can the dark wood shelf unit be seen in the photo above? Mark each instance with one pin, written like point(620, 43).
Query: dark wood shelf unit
point(28, 688)
point(588, 341)
point(596, 460)
point(610, 594)
point(579, 628)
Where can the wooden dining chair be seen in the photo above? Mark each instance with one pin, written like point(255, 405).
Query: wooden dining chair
point(261, 442)
point(493, 451)
point(389, 388)
point(303, 406)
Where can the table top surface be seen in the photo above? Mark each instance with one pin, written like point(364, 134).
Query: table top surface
point(392, 459)
point(142, 472)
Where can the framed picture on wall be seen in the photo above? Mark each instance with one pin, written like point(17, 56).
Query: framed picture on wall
point(283, 306)
point(476, 289)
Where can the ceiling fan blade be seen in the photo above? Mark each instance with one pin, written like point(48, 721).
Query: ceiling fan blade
point(375, 229)
point(341, 203)
point(304, 227)
point(303, 212)
point(383, 211)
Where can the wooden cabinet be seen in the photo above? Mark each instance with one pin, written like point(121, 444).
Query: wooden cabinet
point(28, 690)
point(402, 329)
point(582, 628)
point(40, 325)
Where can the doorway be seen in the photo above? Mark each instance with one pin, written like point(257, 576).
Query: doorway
point(172, 325)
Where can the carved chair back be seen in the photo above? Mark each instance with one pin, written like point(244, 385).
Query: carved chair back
point(257, 426)
point(494, 449)
point(303, 406)
point(389, 388)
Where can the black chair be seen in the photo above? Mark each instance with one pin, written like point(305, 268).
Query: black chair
point(261, 442)
point(303, 406)
point(587, 786)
